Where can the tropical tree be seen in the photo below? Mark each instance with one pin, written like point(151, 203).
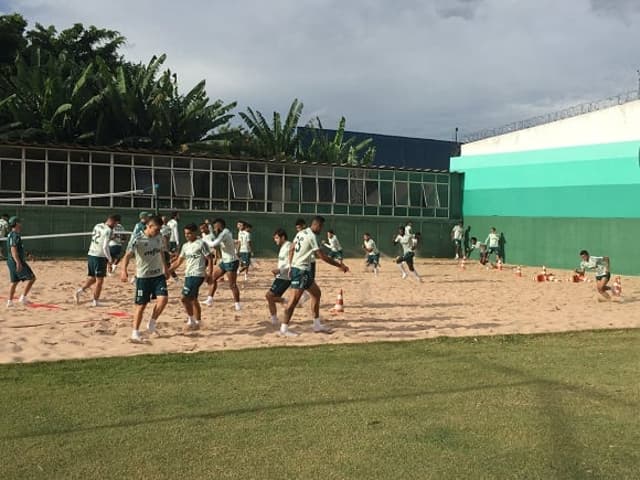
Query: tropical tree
point(278, 140)
point(337, 150)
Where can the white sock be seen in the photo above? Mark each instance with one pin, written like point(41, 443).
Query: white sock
point(284, 327)
point(238, 306)
point(22, 297)
point(274, 319)
point(209, 298)
point(316, 322)
point(189, 319)
point(401, 268)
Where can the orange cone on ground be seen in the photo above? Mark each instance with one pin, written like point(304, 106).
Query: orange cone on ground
point(617, 287)
point(339, 306)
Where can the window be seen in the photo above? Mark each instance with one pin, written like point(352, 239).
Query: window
point(309, 190)
point(402, 194)
point(182, 186)
point(220, 186)
point(292, 189)
point(11, 152)
point(163, 182)
point(341, 191)
point(325, 190)
point(386, 193)
point(121, 179)
point(443, 195)
point(274, 192)
point(257, 186)
point(372, 192)
point(57, 178)
point(415, 194)
point(79, 157)
point(97, 157)
point(34, 176)
point(57, 155)
point(143, 180)
point(100, 184)
point(356, 191)
point(201, 185)
point(10, 171)
point(430, 195)
point(79, 178)
point(240, 186)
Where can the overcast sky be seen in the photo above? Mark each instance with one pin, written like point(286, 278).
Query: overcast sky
point(407, 67)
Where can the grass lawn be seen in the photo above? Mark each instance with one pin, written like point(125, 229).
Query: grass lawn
point(547, 406)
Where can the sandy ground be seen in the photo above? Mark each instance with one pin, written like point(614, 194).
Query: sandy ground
point(450, 302)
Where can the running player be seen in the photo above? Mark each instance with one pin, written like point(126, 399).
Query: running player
point(333, 244)
point(305, 246)
point(373, 254)
point(406, 241)
point(244, 247)
point(228, 265)
point(196, 253)
point(151, 275)
point(98, 258)
point(115, 245)
point(602, 267)
point(281, 281)
point(174, 239)
point(19, 270)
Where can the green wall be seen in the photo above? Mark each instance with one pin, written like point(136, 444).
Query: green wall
point(40, 220)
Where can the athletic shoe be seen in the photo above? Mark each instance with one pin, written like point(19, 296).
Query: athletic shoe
point(287, 333)
point(238, 307)
point(95, 303)
point(113, 268)
point(9, 304)
point(208, 302)
point(193, 324)
point(320, 328)
point(76, 297)
point(24, 301)
point(404, 275)
point(135, 337)
point(151, 326)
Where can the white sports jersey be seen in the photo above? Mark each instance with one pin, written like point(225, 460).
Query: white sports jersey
point(4, 228)
point(208, 238)
point(493, 240)
point(458, 232)
point(283, 260)
point(99, 246)
point(306, 244)
point(596, 263)
point(175, 235)
point(117, 235)
point(370, 247)
point(148, 252)
point(165, 233)
point(406, 242)
point(408, 230)
point(195, 254)
point(227, 246)
point(334, 244)
point(245, 238)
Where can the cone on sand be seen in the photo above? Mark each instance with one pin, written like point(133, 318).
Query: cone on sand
point(339, 306)
point(617, 287)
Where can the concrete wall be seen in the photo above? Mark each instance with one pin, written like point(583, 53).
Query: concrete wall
point(616, 124)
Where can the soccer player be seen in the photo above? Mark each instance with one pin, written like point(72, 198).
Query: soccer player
point(98, 258)
point(4, 228)
point(228, 265)
point(166, 232)
point(406, 241)
point(493, 244)
point(373, 254)
point(115, 245)
point(151, 275)
point(305, 246)
point(281, 281)
point(142, 223)
point(333, 244)
point(196, 253)
point(19, 270)
point(174, 239)
point(244, 247)
point(603, 271)
point(457, 234)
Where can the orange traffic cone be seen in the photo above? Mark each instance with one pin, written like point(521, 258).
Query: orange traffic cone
point(339, 306)
point(617, 287)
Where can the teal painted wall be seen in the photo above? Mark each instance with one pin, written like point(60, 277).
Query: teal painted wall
point(39, 220)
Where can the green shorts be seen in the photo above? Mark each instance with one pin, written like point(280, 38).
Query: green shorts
point(279, 286)
point(245, 258)
point(229, 266)
point(115, 251)
point(406, 258)
point(301, 279)
point(23, 275)
point(191, 288)
point(337, 255)
point(373, 259)
point(96, 266)
point(149, 288)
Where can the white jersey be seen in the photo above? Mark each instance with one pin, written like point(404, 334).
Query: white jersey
point(283, 260)
point(371, 247)
point(165, 233)
point(244, 238)
point(406, 242)
point(148, 253)
point(457, 232)
point(175, 235)
point(227, 246)
point(493, 240)
point(117, 235)
point(195, 253)
point(334, 244)
point(99, 246)
point(595, 263)
point(408, 230)
point(4, 228)
point(208, 238)
point(306, 244)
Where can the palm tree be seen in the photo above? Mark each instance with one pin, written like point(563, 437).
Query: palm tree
point(337, 150)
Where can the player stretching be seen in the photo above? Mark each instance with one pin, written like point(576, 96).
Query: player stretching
point(305, 246)
point(406, 241)
point(228, 265)
point(196, 253)
point(603, 271)
point(151, 275)
point(244, 247)
point(281, 281)
point(98, 259)
point(373, 254)
point(19, 270)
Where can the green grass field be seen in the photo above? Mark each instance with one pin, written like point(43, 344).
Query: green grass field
point(549, 406)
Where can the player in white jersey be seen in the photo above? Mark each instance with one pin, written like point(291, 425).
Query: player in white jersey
point(151, 275)
point(493, 244)
point(166, 232)
point(333, 244)
point(115, 246)
point(281, 281)
point(99, 256)
point(373, 254)
point(303, 248)
point(457, 235)
point(245, 247)
point(174, 239)
point(228, 265)
point(199, 268)
point(406, 241)
point(602, 266)
point(4, 228)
